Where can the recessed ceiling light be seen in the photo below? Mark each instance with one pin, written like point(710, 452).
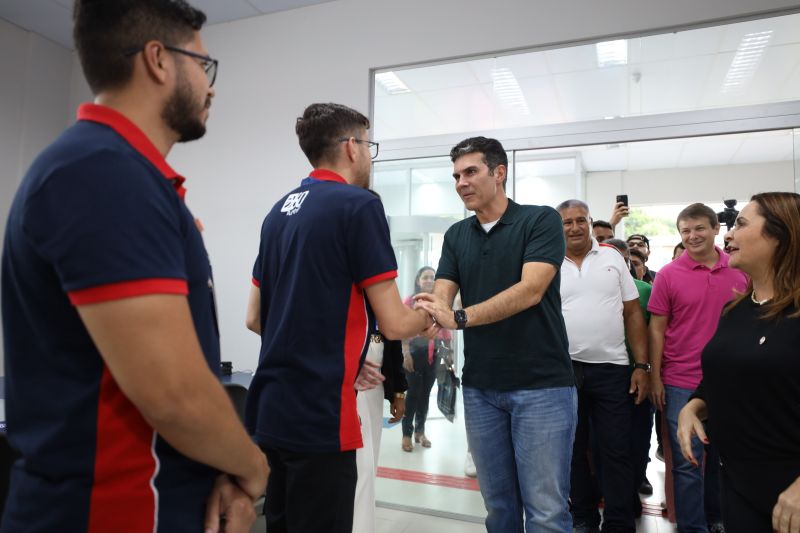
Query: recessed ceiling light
point(506, 89)
point(611, 53)
point(746, 61)
point(392, 83)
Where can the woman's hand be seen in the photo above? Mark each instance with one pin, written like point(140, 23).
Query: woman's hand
point(408, 363)
point(689, 424)
point(786, 513)
point(397, 409)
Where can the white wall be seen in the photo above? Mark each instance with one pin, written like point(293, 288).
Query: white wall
point(34, 99)
point(271, 67)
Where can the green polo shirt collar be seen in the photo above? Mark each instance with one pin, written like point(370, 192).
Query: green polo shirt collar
point(510, 216)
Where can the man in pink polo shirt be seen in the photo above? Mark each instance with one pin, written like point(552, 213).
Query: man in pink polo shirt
point(685, 305)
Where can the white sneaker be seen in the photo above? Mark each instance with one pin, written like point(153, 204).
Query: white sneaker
point(469, 466)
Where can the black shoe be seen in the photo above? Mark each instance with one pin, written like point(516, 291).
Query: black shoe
point(660, 453)
point(646, 489)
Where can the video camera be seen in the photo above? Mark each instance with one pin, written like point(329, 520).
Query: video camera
point(728, 215)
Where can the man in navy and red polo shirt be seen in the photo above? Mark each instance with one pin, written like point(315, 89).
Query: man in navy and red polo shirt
point(324, 263)
point(111, 340)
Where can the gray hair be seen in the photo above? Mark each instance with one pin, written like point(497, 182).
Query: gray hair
point(567, 204)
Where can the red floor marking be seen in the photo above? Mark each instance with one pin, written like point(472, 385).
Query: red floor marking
point(440, 480)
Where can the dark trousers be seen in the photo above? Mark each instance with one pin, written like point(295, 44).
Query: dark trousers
point(641, 430)
point(310, 492)
point(420, 383)
point(605, 405)
point(738, 514)
point(711, 482)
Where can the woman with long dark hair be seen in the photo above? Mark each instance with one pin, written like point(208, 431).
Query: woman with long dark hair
point(750, 393)
point(419, 360)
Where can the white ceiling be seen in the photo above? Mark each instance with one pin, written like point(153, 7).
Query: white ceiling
point(53, 18)
point(720, 150)
point(682, 71)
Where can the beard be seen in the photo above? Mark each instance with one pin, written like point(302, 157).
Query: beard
point(362, 177)
point(182, 113)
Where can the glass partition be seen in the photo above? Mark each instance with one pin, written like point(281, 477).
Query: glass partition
point(797, 160)
point(722, 103)
point(743, 64)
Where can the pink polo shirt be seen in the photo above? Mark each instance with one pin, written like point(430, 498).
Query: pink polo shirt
point(691, 296)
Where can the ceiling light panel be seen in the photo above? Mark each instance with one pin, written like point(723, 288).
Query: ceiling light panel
point(612, 53)
point(506, 89)
point(746, 61)
point(392, 83)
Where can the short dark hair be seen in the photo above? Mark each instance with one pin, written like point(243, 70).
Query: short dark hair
point(322, 125)
point(698, 210)
point(493, 152)
point(105, 30)
point(603, 224)
point(640, 254)
point(619, 244)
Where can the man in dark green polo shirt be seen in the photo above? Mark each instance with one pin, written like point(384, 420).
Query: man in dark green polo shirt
point(519, 396)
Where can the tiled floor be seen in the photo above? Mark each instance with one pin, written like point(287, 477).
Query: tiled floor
point(430, 504)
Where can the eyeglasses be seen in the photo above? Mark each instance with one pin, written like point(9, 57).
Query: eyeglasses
point(209, 64)
point(373, 146)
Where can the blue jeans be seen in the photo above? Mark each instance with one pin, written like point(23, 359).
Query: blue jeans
point(521, 443)
point(696, 499)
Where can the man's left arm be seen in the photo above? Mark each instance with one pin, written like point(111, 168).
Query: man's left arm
point(526, 293)
point(253, 317)
point(636, 332)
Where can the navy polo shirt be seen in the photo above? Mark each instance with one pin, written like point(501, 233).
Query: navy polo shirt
point(528, 350)
point(98, 217)
point(321, 245)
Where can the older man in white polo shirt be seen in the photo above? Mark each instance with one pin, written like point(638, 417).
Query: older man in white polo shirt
point(600, 304)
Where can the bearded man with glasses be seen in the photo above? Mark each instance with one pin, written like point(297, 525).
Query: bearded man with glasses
point(111, 340)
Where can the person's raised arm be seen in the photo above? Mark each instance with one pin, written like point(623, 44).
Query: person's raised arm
point(526, 293)
point(395, 320)
point(619, 212)
point(151, 349)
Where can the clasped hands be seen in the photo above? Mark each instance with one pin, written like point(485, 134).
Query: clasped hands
point(438, 309)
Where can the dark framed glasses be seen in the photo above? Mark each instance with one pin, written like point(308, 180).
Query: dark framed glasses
point(208, 63)
point(373, 146)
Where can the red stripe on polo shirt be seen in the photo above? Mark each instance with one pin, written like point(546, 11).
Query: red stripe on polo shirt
point(128, 289)
point(123, 495)
point(135, 137)
point(355, 337)
point(256, 282)
point(327, 175)
point(375, 279)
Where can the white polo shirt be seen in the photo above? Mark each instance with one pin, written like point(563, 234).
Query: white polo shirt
point(591, 302)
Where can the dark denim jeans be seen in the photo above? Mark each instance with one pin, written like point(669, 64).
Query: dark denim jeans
point(521, 442)
point(604, 405)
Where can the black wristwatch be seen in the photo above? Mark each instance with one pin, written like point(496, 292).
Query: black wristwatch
point(644, 366)
point(460, 317)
